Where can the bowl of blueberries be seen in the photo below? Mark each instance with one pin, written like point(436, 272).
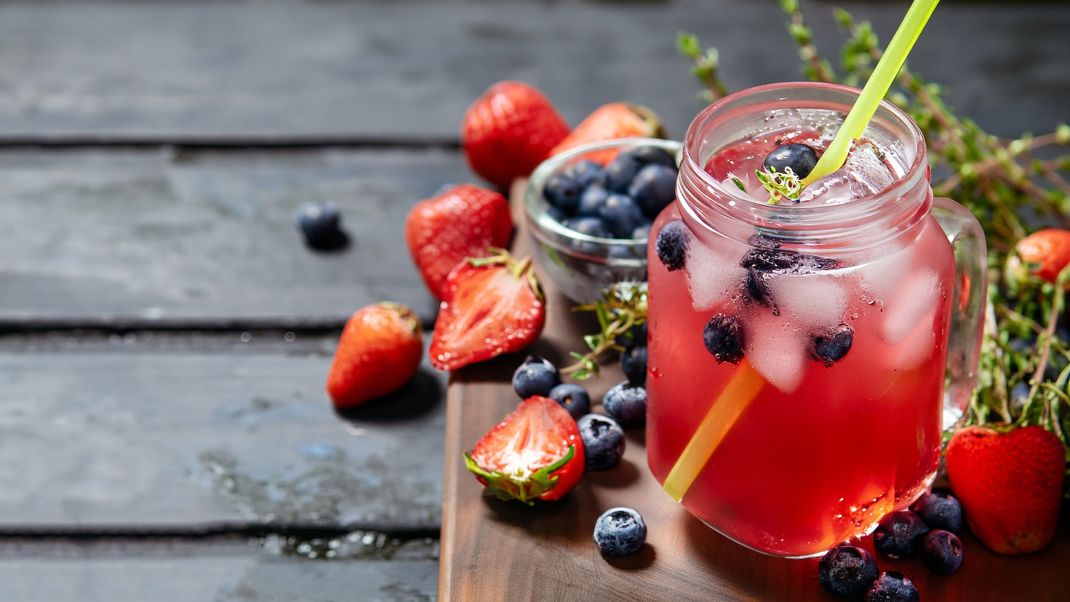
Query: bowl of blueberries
point(589, 211)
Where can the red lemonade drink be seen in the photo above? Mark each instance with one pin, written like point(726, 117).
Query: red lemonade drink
point(833, 311)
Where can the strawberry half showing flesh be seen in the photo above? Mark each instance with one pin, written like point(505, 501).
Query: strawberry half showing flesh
point(1010, 484)
point(534, 453)
point(490, 306)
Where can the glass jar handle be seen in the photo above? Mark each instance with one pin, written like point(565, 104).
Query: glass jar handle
point(968, 303)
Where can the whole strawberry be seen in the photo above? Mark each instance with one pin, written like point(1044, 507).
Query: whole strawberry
point(378, 353)
point(490, 306)
point(611, 121)
point(454, 225)
point(534, 453)
point(1047, 251)
point(1010, 484)
point(508, 131)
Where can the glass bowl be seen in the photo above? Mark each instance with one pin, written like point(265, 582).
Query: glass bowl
point(582, 266)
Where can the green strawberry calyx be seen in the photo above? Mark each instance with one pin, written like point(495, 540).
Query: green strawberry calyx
point(523, 487)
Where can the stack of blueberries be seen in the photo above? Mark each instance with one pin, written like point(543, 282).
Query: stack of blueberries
point(617, 201)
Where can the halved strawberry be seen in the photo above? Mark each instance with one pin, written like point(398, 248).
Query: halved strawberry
point(610, 121)
point(534, 453)
point(490, 306)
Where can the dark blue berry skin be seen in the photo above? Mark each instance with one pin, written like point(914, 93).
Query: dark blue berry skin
point(619, 532)
point(831, 347)
point(556, 214)
point(898, 533)
point(573, 398)
point(671, 245)
point(724, 338)
point(321, 225)
point(651, 155)
point(892, 586)
point(621, 215)
point(586, 173)
point(603, 441)
point(562, 192)
point(939, 510)
point(620, 252)
point(799, 157)
point(621, 171)
point(591, 226)
point(591, 201)
point(636, 335)
point(641, 232)
point(941, 551)
point(633, 364)
point(535, 376)
point(626, 403)
point(653, 188)
point(768, 258)
point(847, 571)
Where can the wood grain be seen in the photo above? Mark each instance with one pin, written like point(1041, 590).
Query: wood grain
point(147, 238)
point(495, 550)
point(409, 69)
point(143, 435)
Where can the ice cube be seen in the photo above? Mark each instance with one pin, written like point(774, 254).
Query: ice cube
point(917, 346)
point(915, 298)
point(713, 275)
point(776, 349)
point(866, 172)
point(816, 301)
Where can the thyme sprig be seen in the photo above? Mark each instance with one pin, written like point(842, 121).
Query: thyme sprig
point(622, 307)
point(780, 184)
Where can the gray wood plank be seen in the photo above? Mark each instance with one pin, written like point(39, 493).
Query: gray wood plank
point(160, 437)
point(204, 572)
point(183, 67)
point(152, 238)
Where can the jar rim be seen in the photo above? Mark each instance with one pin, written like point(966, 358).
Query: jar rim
point(808, 213)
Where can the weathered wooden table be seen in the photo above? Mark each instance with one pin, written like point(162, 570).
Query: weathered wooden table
point(164, 336)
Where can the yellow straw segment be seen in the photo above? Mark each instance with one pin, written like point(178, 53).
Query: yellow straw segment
point(734, 398)
point(878, 85)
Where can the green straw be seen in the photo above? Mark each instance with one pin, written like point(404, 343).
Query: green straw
point(746, 383)
point(879, 82)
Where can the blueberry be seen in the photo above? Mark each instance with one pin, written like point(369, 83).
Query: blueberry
point(892, 587)
point(626, 403)
point(620, 252)
point(556, 214)
point(672, 244)
point(898, 533)
point(633, 364)
point(847, 570)
point(799, 157)
point(591, 201)
point(621, 215)
point(535, 376)
point(653, 188)
point(563, 192)
point(767, 259)
point(831, 346)
point(651, 155)
point(586, 173)
point(641, 232)
point(724, 338)
point(941, 551)
point(591, 226)
point(621, 171)
point(939, 510)
point(619, 532)
point(636, 335)
point(321, 225)
point(603, 441)
point(573, 398)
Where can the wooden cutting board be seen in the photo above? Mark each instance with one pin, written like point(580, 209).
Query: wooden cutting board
point(493, 550)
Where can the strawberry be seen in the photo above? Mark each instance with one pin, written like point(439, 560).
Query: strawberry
point(610, 121)
point(1010, 483)
point(490, 306)
point(449, 227)
point(508, 131)
point(534, 453)
point(1048, 251)
point(379, 351)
